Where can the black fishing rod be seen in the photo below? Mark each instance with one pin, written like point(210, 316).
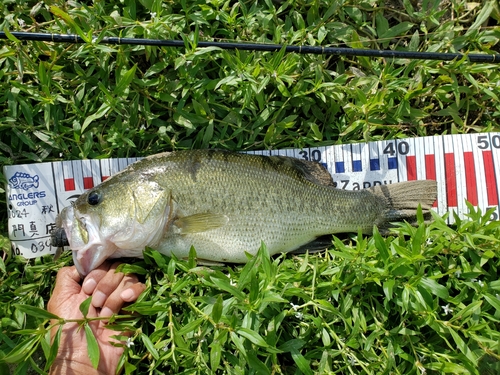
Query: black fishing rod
point(318, 50)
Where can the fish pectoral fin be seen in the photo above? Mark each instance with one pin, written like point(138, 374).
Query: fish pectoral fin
point(200, 222)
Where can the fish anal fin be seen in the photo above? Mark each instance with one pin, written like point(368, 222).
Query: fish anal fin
point(319, 244)
point(207, 263)
point(201, 222)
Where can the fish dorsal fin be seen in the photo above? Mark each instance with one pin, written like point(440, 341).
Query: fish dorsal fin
point(200, 222)
point(149, 198)
point(310, 170)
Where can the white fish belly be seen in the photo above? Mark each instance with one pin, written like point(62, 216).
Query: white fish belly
point(229, 243)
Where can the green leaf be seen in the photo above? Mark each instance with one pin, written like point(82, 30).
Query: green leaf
point(414, 41)
point(192, 262)
point(5, 339)
point(92, 346)
point(190, 327)
point(265, 260)
point(10, 36)
point(495, 285)
point(417, 240)
point(215, 355)
point(399, 29)
point(322, 32)
point(435, 288)
point(125, 81)
point(382, 24)
point(24, 138)
point(462, 345)
point(388, 287)
point(43, 76)
point(84, 306)
point(253, 336)
point(131, 268)
point(224, 285)
point(217, 309)
point(23, 350)
point(301, 362)
point(447, 368)
point(35, 311)
point(149, 345)
point(158, 258)
point(293, 344)
point(34, 366)
point(256, 364)
point(380, 245)
point(67, 18)
point(467, 311)
point(6, 52)
point(493, 301)
point(4, 368)
point(204, 50)
point(54, 348)
point(103, 109)
point(483, 15)
point(229, 80)
point(208, 134)
point(238, 342)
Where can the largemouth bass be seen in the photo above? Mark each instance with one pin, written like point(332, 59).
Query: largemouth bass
point(224, 204)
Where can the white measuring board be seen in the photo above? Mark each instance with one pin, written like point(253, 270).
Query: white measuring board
point(466, 167)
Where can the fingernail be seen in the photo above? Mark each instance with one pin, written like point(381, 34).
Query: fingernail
point(89, 286)
point(98, 299)
point(106, 312)
point(127, 294)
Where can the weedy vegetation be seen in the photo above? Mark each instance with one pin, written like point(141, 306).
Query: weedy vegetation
point(425, 299)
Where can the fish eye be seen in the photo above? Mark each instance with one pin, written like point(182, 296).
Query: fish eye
point(94, 198)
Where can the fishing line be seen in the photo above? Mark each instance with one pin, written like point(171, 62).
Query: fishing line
point(317, 50)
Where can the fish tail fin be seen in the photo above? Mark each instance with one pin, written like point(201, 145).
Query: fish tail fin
point(401, 201)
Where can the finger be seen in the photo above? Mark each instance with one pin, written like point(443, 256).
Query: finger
point(130, 287)
point(133, 292)
point(106, 286)
point(94, 277)
point(67, 284)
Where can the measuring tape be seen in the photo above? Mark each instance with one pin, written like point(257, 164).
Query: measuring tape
point(466, 167)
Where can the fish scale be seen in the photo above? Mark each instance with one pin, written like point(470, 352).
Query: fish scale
point(32, 212)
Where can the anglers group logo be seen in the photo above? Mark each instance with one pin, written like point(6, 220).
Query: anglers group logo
point(23, 181)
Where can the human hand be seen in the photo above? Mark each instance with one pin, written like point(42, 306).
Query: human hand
point(109, 291)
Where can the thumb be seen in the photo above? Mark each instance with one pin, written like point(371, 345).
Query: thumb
point(67, 284)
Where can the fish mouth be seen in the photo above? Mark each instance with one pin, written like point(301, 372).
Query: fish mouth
point(86, 260)
point(78, 232)
point(93, 251)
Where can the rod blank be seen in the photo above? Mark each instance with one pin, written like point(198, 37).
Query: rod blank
point(318, 50)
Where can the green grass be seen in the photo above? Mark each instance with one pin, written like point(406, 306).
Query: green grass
point(423, 299)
